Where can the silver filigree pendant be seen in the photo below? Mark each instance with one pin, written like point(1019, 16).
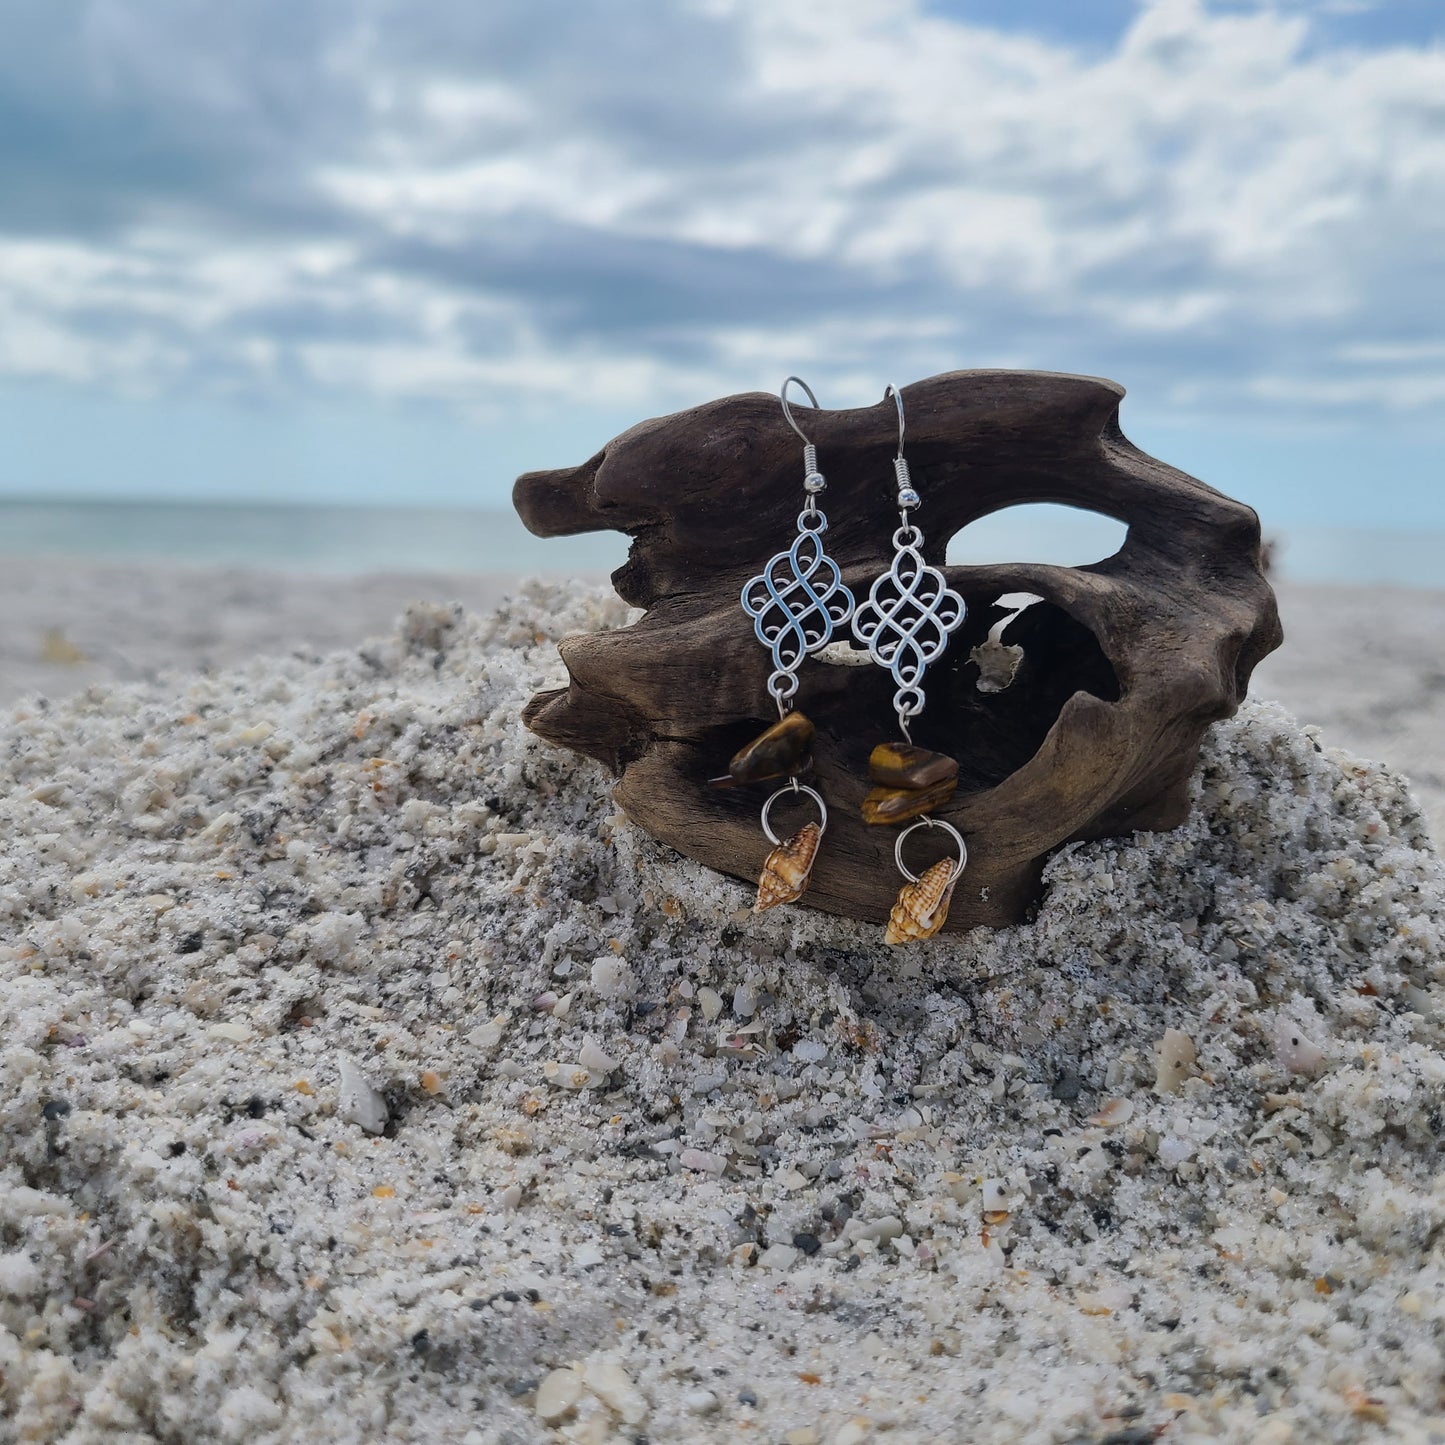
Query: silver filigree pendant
point(797, 602)
point(906, 619)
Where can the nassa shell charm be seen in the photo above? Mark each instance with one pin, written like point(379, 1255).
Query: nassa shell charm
point(787, 869)
point(922, 907)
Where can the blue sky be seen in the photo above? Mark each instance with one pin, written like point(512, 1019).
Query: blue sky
point(392, 250)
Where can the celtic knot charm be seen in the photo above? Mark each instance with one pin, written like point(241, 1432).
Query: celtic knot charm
point(797, 603)
point(906, 619)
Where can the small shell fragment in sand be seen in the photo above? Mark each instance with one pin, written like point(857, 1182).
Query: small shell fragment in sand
point(882, 1230)
point(571, 1076)
point(613, 1386)
point(778, 1256)
point(510, 1140)
point(590, 1056)
point(1175, 1057)
point(488, 1035)
point(356, 1101)
point(702, 1161)
point(1296, 1052)
point(1114, 1113)
point(557, 1394)
point(612, 979)
point(1273, 1103)
point(1001, 1197)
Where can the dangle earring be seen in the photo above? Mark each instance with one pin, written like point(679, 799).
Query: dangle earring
point(905, 623)
point(797, 603)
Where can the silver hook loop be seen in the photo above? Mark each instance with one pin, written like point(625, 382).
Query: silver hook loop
point(788, 410)
point(898, 402)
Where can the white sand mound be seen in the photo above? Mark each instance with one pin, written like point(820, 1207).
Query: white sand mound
point(650, 1168)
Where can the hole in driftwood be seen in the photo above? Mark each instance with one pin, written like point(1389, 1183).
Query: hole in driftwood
point(1038, 532)
point(993, 717)
point(992, 732)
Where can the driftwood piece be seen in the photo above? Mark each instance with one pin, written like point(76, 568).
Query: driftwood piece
point(1125, 663)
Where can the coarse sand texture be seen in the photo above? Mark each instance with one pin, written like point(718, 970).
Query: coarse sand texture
point(364, 1076)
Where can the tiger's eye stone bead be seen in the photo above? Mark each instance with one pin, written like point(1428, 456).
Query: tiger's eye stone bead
point(898, 805)
point(780, 752)
point(901, 765)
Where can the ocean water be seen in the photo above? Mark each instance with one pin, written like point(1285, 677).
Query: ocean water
point(301, 538)
point(384, 539)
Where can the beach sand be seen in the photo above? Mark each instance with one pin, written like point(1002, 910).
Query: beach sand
point(366, 1076)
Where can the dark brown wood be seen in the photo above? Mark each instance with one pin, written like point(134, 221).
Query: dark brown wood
point(1125, 663)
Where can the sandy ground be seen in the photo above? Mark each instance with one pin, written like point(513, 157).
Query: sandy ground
point(70, 624)
point(1367, 665)
point(366, 1077)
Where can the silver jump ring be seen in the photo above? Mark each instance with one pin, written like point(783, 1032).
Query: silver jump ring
point(928, 823)
point(795, 787)
point(782, 684)
point(788, 410)
point(909, 701)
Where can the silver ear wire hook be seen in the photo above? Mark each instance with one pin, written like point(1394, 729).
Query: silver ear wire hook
point(898, 401)
point(908, 499)
point(788, 410)
point(813, 482)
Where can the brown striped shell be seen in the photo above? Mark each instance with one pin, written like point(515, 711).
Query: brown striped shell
point(785, 874)
point(922, 907)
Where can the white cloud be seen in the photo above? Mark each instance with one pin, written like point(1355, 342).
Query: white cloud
point(1374, 353)
point(656, 204)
